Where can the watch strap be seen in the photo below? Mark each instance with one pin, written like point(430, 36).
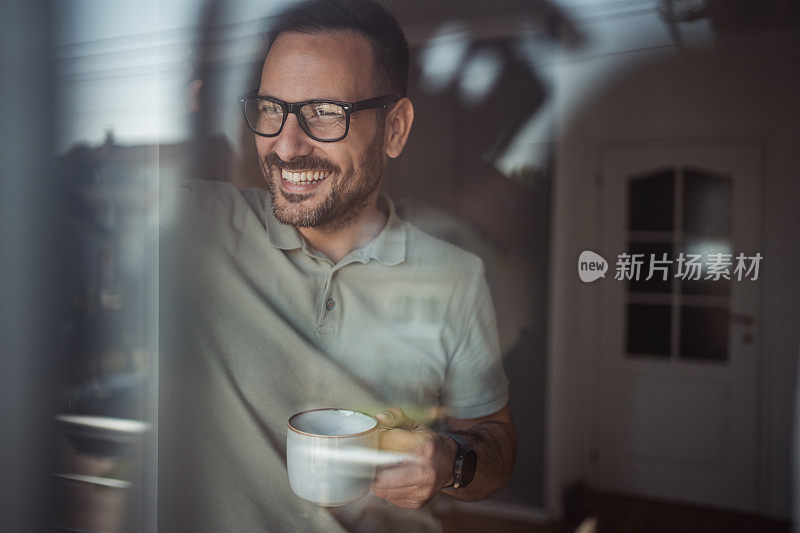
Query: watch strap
point(464, 447)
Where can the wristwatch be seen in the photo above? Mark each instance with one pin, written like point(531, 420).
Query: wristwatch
point(465, 463)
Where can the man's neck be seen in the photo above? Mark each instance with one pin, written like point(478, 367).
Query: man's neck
point(335, 244)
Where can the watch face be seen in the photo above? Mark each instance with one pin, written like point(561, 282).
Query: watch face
point(468, 467)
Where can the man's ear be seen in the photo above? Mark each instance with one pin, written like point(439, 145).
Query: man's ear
point(398, 126)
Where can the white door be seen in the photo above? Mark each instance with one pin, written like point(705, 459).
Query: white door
point(676, 417)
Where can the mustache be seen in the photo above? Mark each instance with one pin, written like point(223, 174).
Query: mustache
point(306, 162)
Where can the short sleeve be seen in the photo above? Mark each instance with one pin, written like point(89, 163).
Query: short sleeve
point(475, 383)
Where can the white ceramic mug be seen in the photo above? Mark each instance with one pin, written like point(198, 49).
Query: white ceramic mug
point(331, 455)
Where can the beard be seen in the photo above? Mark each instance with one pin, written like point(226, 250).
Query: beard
point(347, 195)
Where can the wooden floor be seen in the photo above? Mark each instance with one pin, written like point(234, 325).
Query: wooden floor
point(627, 515)
point(474, 523)
point(621, 514)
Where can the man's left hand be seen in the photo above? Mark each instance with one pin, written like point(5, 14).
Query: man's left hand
point(428, 468)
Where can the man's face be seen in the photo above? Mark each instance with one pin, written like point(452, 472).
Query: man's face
point(330, 66)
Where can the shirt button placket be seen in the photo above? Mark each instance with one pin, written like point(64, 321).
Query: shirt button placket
point(326, 325)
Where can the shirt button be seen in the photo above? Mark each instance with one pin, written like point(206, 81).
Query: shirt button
point(330, 304)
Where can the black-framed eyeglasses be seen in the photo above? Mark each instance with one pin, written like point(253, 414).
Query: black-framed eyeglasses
point(322, 120)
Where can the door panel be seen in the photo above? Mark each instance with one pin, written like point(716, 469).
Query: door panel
point(678, 365)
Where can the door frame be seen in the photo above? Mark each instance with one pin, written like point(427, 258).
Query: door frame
point(573, 361)
point(743, 367)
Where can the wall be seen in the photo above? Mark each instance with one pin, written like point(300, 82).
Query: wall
point(743, 86)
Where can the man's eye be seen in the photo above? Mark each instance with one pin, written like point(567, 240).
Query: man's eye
point(328, 110)
point(269, 108)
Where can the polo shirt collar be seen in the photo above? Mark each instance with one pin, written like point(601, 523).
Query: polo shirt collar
point(280, 235)
point(388, 248)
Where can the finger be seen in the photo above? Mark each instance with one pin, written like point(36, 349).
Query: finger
point(395, 484)
point(406, 475)
point(392, 417)
point(398, 440)
point(395, 417)
point(397, 493)
point(410, 499)
point(396, 496)
point(409, 504)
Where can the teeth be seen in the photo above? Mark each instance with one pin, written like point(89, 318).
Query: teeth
point(308, 176)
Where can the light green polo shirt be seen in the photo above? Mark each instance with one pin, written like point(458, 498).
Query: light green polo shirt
point(260, 326)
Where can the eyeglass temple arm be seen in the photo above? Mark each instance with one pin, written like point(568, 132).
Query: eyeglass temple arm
point(373, 103)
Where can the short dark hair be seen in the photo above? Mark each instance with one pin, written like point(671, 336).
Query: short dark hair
point(363, 17)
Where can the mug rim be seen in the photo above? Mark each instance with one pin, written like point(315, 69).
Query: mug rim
point(373, 428)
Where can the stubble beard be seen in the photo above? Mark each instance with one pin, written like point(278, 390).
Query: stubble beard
point(347, 195)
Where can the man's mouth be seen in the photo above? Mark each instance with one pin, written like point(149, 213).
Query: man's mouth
point(305, 177)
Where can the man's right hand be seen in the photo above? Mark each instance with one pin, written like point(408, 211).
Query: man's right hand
point(428, 469)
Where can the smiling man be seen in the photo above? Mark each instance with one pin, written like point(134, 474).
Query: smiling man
point(323, 163)
point(312, 292)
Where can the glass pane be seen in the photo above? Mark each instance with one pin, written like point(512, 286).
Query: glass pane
point(649, 329)
point(651, 201)
point(264, 116)
point(325, 120)
point(702, 260)
point(653, 256)
point(704, 333)
point(707, 201)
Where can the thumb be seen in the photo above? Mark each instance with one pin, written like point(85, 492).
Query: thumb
point(395, 435)
point(394, 417)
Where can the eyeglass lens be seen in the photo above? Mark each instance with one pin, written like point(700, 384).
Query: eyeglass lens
point(324, 120)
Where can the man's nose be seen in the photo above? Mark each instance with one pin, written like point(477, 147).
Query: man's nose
point(292, 141)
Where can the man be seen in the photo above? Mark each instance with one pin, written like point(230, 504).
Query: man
point(315, 294)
